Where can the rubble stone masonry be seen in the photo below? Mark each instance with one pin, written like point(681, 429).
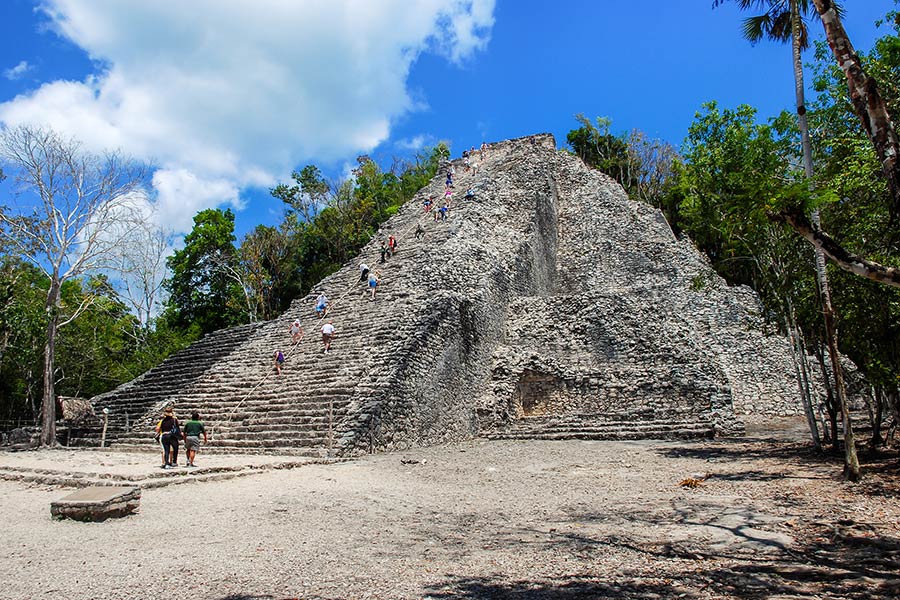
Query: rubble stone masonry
point(549, 303)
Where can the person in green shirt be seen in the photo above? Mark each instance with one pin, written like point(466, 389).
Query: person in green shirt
point(192, 430)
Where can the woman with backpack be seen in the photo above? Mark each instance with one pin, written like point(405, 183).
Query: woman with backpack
point(169, 435)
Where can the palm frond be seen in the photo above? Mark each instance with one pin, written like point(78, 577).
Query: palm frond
point(756, 28)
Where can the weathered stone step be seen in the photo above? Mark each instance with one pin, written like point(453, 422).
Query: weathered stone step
point(318, 423)
point(621, 434)
point(600, 426)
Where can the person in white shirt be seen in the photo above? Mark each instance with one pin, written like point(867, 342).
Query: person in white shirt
point(296, 331)
point(327, 335)
point(321, 304)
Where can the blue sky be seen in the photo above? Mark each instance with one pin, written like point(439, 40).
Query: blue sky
point(226, 97)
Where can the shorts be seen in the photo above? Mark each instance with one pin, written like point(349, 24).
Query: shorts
point(326, 337)
point(365, 274)
point(372, 283)
point(320, 307)
point(192, 442)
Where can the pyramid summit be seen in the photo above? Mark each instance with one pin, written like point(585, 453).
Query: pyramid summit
point(547, 305)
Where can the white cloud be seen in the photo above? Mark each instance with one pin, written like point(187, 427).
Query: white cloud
point(225, 95)
point(182, 194)
point(18, 71)
point(414, 143)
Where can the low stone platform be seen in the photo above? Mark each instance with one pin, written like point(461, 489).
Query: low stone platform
point(97, 503)
point(84, 468)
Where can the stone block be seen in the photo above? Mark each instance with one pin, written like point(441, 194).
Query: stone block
point(97, 503)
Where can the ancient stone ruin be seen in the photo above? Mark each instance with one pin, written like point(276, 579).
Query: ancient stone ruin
point(550, 305)
point(97, 503)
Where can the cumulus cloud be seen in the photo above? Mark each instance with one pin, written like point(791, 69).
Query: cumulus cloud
point(414, 143)
point(226, 95)
point(18, 71)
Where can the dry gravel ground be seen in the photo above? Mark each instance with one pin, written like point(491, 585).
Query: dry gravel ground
point(554, 520)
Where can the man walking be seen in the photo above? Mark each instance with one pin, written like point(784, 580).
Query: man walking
point(192, 431)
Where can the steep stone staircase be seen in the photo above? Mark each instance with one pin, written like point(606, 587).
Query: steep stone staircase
point(160, 385)
point(228, 376)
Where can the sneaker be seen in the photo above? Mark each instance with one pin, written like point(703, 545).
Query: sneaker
point(167, 466)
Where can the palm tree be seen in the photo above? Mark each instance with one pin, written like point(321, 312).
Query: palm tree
point(783, 21)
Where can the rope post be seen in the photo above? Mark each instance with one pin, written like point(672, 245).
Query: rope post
point(105, 423)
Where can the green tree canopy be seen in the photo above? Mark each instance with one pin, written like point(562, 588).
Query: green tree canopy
point(204, 291)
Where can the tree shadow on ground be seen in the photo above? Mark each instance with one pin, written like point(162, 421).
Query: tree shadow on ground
point(843, 559)
point(880, 468)
point(575, 587)
point(240, 596)
point(748, 451)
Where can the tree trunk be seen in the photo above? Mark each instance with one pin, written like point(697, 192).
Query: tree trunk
point(851, 464)
point(830, 400)
point(867, 102)
point(877, 416)
point(48, 402)
point(802, 382)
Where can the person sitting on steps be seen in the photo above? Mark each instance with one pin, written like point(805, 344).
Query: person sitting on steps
point(420, 231)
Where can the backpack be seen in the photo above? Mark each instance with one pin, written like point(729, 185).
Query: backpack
point(175, 431)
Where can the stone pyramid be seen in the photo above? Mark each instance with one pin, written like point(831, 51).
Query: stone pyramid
point(550, 305)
